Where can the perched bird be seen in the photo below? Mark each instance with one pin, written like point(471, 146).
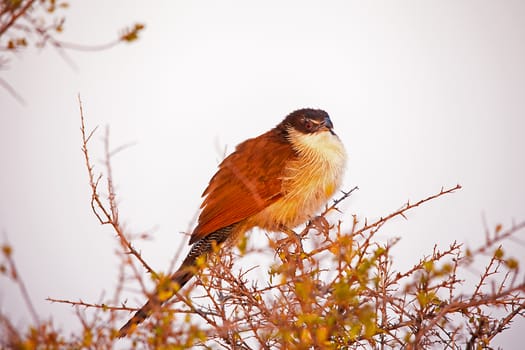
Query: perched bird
point(275, 182)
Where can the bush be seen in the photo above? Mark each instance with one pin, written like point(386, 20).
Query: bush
point(328, 288)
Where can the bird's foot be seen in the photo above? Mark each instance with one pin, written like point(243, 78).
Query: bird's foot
point(294, 237)
point(320, 224)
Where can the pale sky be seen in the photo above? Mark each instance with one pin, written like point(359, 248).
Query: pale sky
point(423, 94)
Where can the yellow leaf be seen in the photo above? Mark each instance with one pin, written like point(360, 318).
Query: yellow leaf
point(498, 254)
point(7, 250)
point(428, 266)
point(321, 334)
point(512, 263)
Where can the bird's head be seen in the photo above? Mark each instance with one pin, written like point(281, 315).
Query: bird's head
point(310, 131)
point(308, 121)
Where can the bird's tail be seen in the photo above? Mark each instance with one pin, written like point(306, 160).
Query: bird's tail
point(177, 281)
point(185, 272)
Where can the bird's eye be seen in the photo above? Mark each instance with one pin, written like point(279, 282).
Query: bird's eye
point(308, 125)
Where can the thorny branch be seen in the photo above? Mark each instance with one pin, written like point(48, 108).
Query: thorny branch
point(106, 216)
point(343, 292)
point(15, 276)
point(26, 23)
point(90, 305)
point(407, 207)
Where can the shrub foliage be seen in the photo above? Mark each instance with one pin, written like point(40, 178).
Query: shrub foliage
point(328, 287)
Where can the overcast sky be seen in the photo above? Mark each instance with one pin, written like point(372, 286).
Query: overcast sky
point(423, 94)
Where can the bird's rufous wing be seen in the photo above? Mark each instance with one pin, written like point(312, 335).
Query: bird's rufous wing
point(247, 181)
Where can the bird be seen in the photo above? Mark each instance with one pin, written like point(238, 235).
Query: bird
point(275, 182)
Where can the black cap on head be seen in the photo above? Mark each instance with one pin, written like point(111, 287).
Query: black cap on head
point(308, 120)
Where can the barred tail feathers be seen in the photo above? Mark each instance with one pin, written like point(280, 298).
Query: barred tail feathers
point(185, 272)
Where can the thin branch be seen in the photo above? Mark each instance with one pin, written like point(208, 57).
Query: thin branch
point(15, 16)
point(90, 305)
point(15, 275)
point(408, 207)
point(11, 90)
point(108, 216)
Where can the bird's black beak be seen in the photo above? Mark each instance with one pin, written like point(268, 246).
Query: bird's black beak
point(328, 123)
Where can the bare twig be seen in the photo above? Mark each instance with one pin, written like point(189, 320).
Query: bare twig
point(106, 216)
point(15, 276)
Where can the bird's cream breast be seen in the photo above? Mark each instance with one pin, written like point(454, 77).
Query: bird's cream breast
point(308, 181)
